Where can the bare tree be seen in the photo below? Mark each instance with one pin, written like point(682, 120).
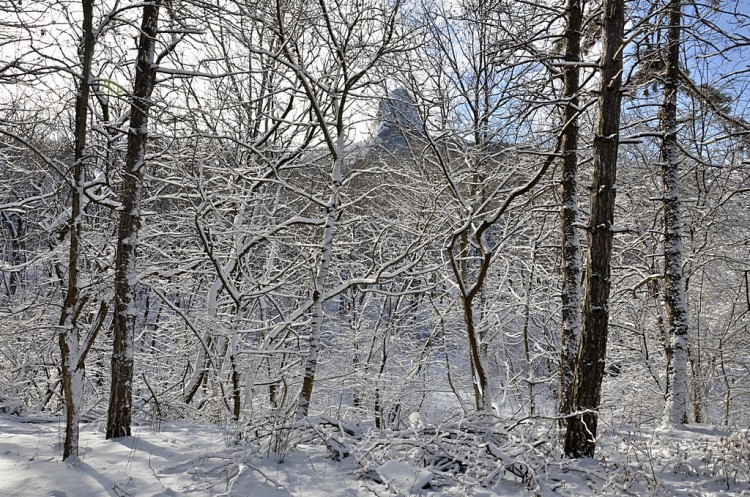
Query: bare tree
point(580, 438)
point(125, 312)
point(72, 349)
point(676, 408)
point(481, 64)
point(571, 258)
point(346, 70)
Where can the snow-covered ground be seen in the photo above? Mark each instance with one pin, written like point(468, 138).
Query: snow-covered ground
point(195, 460)
point(182, 459)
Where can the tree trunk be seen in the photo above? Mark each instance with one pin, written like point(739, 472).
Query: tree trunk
point(676, 407)
point(73, 374)
point(571, 248)
point(526, 342)
point(121, 394)
point(236, 375)
point(580, 438)
point(482, 393)
point(313, 342)
point(460, 266)
point(72, 359)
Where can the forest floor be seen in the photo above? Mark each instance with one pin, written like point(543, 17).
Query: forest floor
point(181, 459)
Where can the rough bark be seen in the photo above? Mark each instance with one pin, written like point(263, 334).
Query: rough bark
point(580, 438)
point(571, 257)
point(72, 358)
point(121, 397)
point(676, 407)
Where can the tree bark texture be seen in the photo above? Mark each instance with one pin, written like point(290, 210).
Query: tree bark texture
point(571, 248)
point(72, 360)
point(676, 407)
point(121, 401)
point(580, 438)
point(482, 394)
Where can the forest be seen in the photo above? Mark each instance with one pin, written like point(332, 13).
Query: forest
point(459, 245)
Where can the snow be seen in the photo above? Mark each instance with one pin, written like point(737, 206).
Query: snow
point(404, 478)
point(417, 421)
point(184, 459)
point(180, 460)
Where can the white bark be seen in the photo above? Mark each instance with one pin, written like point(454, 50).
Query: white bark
point(319, 285)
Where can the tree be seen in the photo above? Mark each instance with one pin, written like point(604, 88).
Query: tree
point(346, 69)
point(481, 64)
point(74, 351)
point(571, 258)
point(289, 265)
point(580, 437)
point(694, 132)
point(121, 394)
point(676, 408)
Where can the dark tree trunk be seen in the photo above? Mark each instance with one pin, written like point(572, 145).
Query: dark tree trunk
point(121, 395)
point(479, 379)
point(70, 350)
point(580, 439)
point(571, 257)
